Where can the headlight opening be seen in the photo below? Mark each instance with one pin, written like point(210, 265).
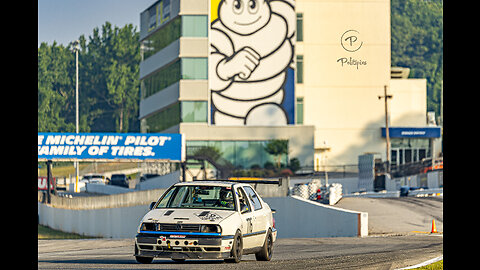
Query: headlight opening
point(210, 228)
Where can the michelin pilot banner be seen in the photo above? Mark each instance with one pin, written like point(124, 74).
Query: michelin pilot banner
point(111, 146)
point(251, 62)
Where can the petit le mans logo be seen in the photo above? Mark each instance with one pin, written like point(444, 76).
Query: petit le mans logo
point(351, 42)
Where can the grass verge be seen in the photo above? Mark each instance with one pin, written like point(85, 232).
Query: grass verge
point(48, 233)
point(434, 266)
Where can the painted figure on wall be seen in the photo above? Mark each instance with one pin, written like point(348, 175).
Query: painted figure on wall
point(251, 67)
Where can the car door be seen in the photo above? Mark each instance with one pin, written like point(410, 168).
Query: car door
point(247, 218)
point(259, 217)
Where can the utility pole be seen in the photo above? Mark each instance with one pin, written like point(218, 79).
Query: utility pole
point(387, 133)
point(76, 48)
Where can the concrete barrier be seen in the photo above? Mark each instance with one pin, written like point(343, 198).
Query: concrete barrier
point(119, 222)
point(298, 217)
point(295, 217)
point(159, 182)
point(105, 189)
point(426, 192)
point(371, 194)
point(106, 201)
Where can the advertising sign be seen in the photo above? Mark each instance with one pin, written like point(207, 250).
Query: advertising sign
point(251, 62)
point(42, 183)
point(111, 146)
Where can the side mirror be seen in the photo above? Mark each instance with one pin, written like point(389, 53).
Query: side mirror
point(273, 211)
point(152, 204)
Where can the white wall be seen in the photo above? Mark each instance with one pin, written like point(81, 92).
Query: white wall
point(314, 220)
point(106, 222)
point(297, 217)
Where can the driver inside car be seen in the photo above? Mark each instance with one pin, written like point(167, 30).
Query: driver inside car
point(225, 199)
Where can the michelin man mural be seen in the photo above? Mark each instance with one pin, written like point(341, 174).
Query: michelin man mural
point(251, 67)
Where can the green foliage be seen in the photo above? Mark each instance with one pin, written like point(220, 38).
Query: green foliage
point(277, 148)
point(208, 151)
point(55, 87)
point(294, 164)
point(417, 43)
point(108, 83)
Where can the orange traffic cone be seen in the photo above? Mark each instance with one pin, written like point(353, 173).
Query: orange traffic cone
point(434, 228)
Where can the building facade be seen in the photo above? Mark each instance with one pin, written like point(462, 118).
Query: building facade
point(235, 74)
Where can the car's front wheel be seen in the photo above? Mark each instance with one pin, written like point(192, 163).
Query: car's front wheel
point(267, 249)
point(237, 249)
point(142, 259)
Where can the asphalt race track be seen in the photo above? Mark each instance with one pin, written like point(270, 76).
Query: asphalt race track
point(373, 252)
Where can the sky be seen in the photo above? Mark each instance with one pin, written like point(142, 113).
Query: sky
point(66, 20)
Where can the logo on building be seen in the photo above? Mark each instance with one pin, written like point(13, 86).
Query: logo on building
point(251, 66)
point(351, 41)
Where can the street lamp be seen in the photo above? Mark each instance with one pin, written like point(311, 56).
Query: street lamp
point(75, 49)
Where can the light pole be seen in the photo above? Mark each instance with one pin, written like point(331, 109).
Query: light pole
point(387, 133)
point(76, 48)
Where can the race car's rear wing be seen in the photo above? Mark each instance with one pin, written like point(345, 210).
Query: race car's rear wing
point(251, 180)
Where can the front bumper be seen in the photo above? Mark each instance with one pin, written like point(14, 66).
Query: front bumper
point(177, 246)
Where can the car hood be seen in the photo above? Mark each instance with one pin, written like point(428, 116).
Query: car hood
point(173, 215)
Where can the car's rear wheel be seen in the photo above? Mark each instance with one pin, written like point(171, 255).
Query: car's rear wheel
point(237, 249)
point(267, 249)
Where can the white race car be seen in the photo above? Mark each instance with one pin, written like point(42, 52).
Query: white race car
point(206, 220)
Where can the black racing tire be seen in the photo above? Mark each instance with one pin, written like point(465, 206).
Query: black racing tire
point(142, 259)
point(237, 249)
point(265, 254)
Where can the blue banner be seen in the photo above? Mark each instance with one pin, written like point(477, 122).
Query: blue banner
point(413, 132)
point(111, 146)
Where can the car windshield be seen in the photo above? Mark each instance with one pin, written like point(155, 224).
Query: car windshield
point(204, 197)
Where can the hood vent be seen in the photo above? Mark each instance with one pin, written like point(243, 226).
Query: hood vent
point(168, 213)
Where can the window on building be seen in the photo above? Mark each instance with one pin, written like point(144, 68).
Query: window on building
point(194, 111)
point(300, 110)
point(406, 150)
point(299, 26)
point(160, 79)
point(185, 68)
point(194, 68)
point(194, 25)
point(299, 68)
point(164, 119)
point(161, 38)
point(185, 26)
point(241, 154)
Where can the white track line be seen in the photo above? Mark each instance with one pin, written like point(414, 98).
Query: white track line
point(423, 264)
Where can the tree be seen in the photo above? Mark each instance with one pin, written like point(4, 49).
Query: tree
point(55, 88)
point(112, 69)
point(277, 148)
point(417, 43)
point(108, 82)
